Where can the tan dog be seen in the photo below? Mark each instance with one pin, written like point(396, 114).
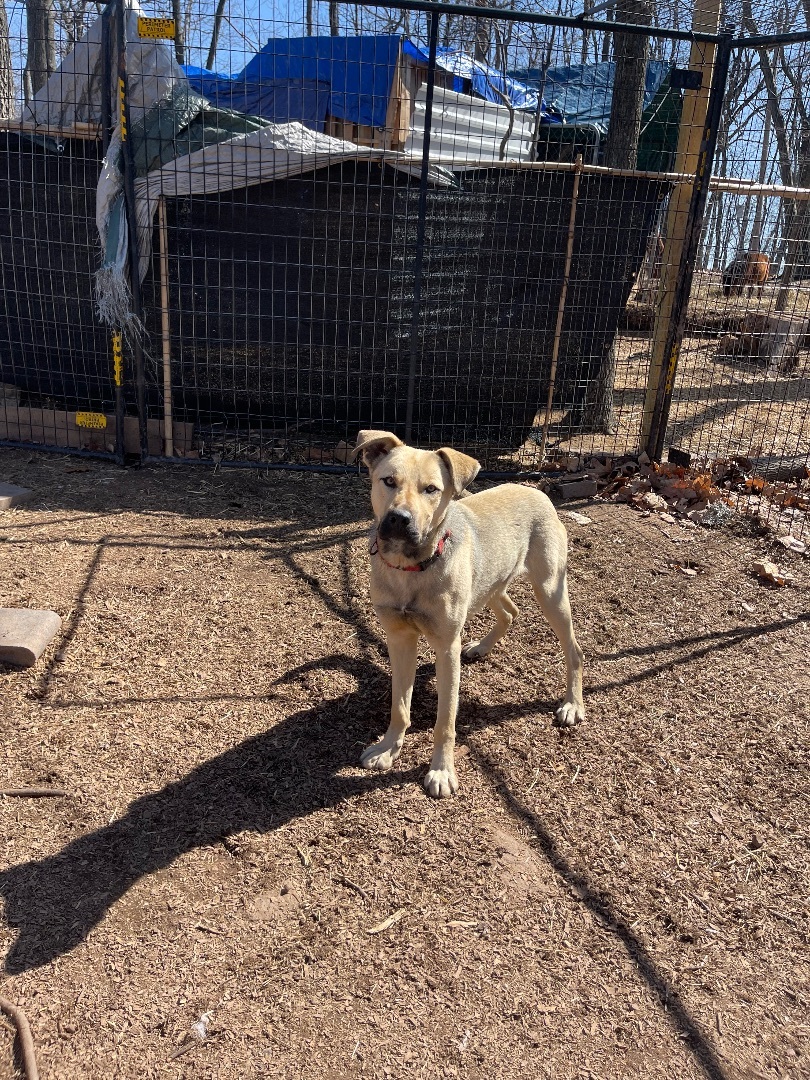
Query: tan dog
point(435, 561)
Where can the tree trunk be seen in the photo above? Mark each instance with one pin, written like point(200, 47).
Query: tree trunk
point(630, 53)
point(798, 229)
point(607, 38)
point(334, 22)
point(586, 9)
point(310, 21)
point(212, 51)
point(6, 68)
point(179, 41)
point(759, 213)
point(41, 60)
point(481, 49)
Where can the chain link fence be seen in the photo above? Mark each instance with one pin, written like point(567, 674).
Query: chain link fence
point(240, 234)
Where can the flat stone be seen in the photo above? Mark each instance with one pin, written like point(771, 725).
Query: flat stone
point(25, 634)
point(11, 495)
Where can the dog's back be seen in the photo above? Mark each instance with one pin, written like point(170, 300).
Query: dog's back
point(515, 530)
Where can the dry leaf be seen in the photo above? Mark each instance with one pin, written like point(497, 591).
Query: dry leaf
point(688, 571)
point(770, 572)
point(386, 924)
point(716, 817)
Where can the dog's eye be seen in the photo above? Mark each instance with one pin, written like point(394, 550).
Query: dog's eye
point(431, 489)
point(389, 481)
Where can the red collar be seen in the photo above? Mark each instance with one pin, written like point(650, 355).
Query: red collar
point(374, 550)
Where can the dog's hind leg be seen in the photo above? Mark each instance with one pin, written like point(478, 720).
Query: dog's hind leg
point(402, 646)
point(504, 610)
point(551, 591)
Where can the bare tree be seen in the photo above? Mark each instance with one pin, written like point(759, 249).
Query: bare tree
point(759, 212)
point(179, 32)
point(630, 53)
point(793, 170)
point(41, 59)
point(798, 223)
point(6, 67)
point(212, 49)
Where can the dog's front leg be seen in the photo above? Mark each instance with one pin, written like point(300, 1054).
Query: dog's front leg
point(402, 645)
point(441, 780)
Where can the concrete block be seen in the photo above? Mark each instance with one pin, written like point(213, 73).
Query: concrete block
point(25, 634)
point(11, 495)
point(583, 487)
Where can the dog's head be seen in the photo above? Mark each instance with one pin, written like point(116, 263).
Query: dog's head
point(410, 488)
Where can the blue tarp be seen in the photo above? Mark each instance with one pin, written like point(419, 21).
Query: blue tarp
point(358, 70)
point(582, 93)
point(279, 101)
point(349, 77)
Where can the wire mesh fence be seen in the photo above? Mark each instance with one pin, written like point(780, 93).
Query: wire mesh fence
point(496, 229)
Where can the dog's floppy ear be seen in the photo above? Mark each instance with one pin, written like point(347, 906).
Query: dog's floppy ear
point(463, 469)
point(373, 445)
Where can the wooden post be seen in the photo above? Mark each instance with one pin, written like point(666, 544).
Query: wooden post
point(555, 349)
point(168, 445)
point(706, 19)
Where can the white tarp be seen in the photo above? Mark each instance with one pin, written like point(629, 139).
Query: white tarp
point(467, 129)
point(73, 93)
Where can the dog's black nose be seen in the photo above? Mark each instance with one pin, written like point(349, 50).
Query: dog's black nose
point(397, 522)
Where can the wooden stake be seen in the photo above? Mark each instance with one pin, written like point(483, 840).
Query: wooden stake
point(555, 349)
point(168, 447)
point(33, 793)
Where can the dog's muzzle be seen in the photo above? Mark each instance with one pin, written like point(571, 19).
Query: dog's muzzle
point(398, 524)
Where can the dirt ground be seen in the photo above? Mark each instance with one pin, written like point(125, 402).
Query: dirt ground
point(722, 404)
point(629, 900)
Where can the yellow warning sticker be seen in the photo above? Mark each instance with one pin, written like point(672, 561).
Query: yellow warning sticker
point(156, 28)
point(91, 420)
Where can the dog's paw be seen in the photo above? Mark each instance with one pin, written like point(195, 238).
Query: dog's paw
point(380, 756)
point(472, 651)
point(569, 714)
point(441, 783)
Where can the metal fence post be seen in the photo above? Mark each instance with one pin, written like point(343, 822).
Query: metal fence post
point(694, 224)
point(132, 226)
point(419, 255)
